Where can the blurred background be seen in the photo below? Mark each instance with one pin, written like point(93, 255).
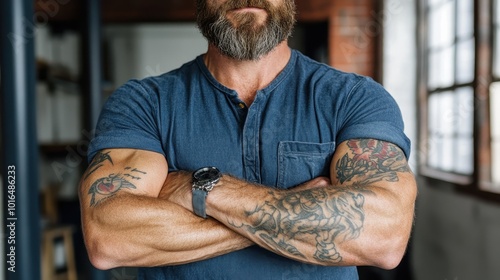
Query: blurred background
point(440, 59)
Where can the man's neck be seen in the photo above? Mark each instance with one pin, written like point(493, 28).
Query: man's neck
point(247, 77)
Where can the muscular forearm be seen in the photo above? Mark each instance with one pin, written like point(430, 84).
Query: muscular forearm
point(325, 225)
point(130, 230)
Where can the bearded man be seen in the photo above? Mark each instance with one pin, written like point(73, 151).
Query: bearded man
point(250, 162)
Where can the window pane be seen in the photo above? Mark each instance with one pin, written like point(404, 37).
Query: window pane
point(448, 154)
point(434, 70)
point(450, 143)
point(464, 127)
point(465, 14)
point(465, 61)
point(495, 131)
point(495, 174)
point(441, 140)
point(447, 126)
point(434, 29)
point(447, 23)
point(447, 115)
point(464, 163)
point(447, 67)
point(465, 112)
point(497, 12)
point(434, 113)
point(441, 68)
point(433, 3)
point(495, 109)
point(434, 139)
point(442, 25)
point(496, 52)
point(434, 152)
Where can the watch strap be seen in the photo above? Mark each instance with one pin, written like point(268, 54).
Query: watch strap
point(199, 202)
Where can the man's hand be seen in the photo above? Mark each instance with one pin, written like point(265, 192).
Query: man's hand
point(314, 183)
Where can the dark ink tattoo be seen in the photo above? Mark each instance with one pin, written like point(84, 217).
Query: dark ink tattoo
point(136, 170)
point(132, 177)
point(97, 163)
point(108, 187)
point(132, 171)
point(329, 215)
point(373, 161)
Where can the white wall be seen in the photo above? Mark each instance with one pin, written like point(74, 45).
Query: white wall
point(139, 51)
point(400, 62)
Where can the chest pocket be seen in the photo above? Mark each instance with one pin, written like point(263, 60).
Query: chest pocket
point(299, 162)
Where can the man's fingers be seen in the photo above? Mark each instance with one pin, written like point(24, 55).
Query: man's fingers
point(315, 183)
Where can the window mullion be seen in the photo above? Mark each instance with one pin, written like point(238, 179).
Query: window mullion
point(484, 58)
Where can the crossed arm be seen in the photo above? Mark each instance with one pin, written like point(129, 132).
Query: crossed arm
point(139, 216)
point(126, 223)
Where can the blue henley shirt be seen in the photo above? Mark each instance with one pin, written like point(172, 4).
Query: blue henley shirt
point(286, 137)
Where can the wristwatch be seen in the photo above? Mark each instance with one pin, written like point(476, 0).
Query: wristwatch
point(204, 180)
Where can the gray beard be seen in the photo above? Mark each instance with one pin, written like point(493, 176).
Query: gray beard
point(246, 42)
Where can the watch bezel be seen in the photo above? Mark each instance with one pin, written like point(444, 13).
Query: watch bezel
point(205, 178)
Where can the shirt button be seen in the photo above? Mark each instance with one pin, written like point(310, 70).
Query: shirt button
point(242, 105)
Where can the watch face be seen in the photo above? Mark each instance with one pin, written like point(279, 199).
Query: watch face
point(206, 174)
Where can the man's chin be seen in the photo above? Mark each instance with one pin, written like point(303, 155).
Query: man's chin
point(252, 25)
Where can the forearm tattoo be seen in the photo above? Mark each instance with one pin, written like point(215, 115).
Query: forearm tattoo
point(107, 187)
point(329, 215)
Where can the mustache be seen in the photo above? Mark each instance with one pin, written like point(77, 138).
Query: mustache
point(238, 4)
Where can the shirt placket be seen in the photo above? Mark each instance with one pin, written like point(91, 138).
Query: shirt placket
point(251, 155)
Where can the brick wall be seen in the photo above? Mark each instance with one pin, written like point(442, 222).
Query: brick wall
point(355, 33)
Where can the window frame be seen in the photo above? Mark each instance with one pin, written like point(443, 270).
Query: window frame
point(484, 26)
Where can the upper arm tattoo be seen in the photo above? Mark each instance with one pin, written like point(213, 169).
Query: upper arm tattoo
point(372, 161)
point(107, 187)
point(97, 163)
point(329, 215)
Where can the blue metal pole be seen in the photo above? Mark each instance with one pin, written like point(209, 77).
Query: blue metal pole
point(93, 62)
point(93, 77)
point(19, 166)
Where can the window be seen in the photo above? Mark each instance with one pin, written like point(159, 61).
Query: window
point(460, 92)
point(495, 132)
point(495, 99)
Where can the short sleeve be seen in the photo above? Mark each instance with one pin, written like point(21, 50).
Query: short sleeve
point(129, 119)
point(369, 111)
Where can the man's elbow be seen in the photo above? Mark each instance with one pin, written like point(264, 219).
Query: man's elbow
point(392, 252)
point(99, 261)
point(394, 234)
point(390, 260)
point(99, 252)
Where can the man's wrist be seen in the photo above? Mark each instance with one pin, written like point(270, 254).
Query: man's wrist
point(214, 198)
point(203, 181)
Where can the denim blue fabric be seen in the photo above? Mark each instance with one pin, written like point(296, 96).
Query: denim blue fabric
point(286, 137)
point(253, 263)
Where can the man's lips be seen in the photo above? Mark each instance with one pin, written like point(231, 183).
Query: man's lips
point(248, 9)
